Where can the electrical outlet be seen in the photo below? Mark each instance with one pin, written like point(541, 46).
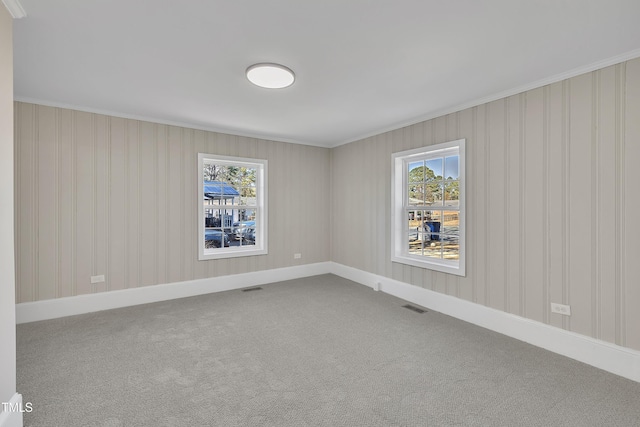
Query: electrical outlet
point(565, 310)
point(297, 256)
point(97, 279)
point(376, 286)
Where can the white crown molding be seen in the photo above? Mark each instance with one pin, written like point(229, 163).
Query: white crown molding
point(329, 144)
point(500, 95)
point(15, 8)
point(233, 132)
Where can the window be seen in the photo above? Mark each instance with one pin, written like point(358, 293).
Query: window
point(232, 207)
point(428, 207)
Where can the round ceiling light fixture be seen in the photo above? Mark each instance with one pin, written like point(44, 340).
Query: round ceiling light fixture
point(270, 76)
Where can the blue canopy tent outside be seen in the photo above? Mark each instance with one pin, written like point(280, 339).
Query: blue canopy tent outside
point(221, 191)
point(218, 190)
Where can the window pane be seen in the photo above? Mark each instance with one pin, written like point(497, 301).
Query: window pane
point(434, 169)
point(415, 246)
point(451, 167)
point(450, 247)
point(434, 215)
point(416, 172)
point(247, 215)
point(219, 193)
point(416, 194)
point(215, 238)
point(245, 177)
point(452, 193)
point(224, 184)
point(218, 227)
point(431, 225)
point(433, 193)
point(414, 225)
point(417, 215)
point(215, 217)
point(247, 237)
point(433, 249)
point(450, 235)
point(243, 230)
point(247, 196)
point(451, 222)
point(231, 227)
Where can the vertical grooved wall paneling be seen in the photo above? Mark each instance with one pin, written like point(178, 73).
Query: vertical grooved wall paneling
point(605, 166)
point(580, 196)
point(80, 124)
point(465, 127)
point(101, 199)
point(631, 207)
point(47, 135)
point(479, 218)
point(452, 134)
point(619, 206)
point(555, 198)
point(117, 204)
point(100, 195)
point(513, 149)
point(495, 221)
point(551, 203)
point(533, 198)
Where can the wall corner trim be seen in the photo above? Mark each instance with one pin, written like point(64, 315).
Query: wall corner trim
point(12, 418)
point(618, 360)
point(88, 303)
point(15, 8)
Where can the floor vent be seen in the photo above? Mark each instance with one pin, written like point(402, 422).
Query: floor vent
point(414, 308)
point(252, 289)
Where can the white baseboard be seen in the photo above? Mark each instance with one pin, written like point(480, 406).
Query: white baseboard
point(69, 306)
point(12, 418)
point(609, 357)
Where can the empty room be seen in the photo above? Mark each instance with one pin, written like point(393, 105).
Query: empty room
point(330, 213)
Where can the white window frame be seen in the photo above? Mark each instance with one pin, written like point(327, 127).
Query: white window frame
point(260, 247)
point(400, 207)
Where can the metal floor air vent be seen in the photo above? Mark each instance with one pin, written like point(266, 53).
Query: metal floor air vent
point(257, 288)
point(414, 308)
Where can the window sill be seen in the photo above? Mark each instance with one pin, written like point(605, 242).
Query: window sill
point(231, 253)
point(443, 266)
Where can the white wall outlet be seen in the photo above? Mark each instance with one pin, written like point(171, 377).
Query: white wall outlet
point(97, 279)
point(565, 310)
point(376, 286)
point(297, 256)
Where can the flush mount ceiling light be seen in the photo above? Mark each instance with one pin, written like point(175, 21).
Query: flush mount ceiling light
point(270, 76)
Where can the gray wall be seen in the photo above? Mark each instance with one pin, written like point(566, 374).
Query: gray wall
point(7, 277)
point(552, 203)
point(105, 195)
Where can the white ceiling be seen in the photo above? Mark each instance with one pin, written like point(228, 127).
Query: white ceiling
point(362, 66)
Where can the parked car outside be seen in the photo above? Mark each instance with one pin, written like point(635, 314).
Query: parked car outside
point(240, 228)
point(215, 239)
point(250, 236)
